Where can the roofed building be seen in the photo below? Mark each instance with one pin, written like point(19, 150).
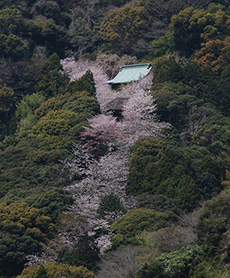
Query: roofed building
point(131, 73)
point(126, 74)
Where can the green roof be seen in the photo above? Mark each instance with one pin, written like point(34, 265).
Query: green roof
point(131, 73)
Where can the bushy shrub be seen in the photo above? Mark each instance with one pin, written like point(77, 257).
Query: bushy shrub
point(157, 202)
point(175, 264)
point(125, 229)
point(85, 253)
point(85, 83)
point(31, 221)
point(109, 203)
point(15, 245)
point(167, 69)
point(22, 230)
point(214, 222)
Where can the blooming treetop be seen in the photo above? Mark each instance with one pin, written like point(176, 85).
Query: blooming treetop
point(102, 129)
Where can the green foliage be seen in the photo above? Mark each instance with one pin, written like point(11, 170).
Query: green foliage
point(167, 69)
point(217, 94)
point(126, 229)
point(6, 99)
point(157, 202)
point(87, 105)
point(7, 105)
point(174, 102)
point(172, 172)
point(188, 194)
point(50, 203)
point(61, 118)
point(84, 27)
point(176, 264)
point(36, 162)
point(49, 9)
point(46, 32)
point(55, 123)
point(211, 269)
point(29, 219)
point(54, 269)
point(214, 57)
point(192, 27)
point(57, 129)
point(163, 45)
point(214, 222)
point(51, 104)
point(13, 47)
point(78, 102)
point(109, 203)
point(22, 228)
point(50, 80)
point(165, 176)
point(185, 108)
point(123, 27)
point(85, 253)
point(122, 23)
point(85, 83)
point(213, 61)
point(15, 245)
point(27, 28)
point(33, 101)
point(24, 111)
point(25, 166)
point(11, 22)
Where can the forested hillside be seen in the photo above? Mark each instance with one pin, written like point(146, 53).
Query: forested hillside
point(84, 194)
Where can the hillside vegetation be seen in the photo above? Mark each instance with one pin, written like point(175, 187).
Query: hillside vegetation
point(85, 195)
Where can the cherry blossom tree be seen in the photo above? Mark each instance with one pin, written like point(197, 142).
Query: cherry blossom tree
point(100, 133)
point(140, 119)
point(108, 175)
point(80, 165)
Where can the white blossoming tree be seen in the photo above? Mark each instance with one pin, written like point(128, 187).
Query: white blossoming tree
point(140, 118)
point(103, 174)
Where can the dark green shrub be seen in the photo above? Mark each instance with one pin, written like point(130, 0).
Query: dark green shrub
point(214, 221)
point(88, 105)
point(167, 69)
point(84, 253)
point(109, 203)
point(85, 83)
point(157, 202)
point(15, 245)
point(52, 203)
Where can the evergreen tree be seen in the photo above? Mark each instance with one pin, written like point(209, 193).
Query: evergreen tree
point(51, 81)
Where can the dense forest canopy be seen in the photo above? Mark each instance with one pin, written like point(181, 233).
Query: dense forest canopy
point(84, 194)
